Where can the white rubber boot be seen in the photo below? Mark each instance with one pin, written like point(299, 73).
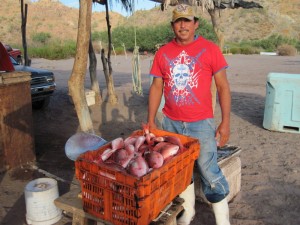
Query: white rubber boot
point(221, 212)
point(189, 205)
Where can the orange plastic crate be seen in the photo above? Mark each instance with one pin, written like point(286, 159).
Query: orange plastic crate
point(123, 199)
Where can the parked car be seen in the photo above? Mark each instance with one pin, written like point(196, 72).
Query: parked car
point(42, 84)
point(15, 53)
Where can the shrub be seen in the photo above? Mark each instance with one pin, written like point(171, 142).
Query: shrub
point(273, 42)
point(119, 51)
point(41, 37)
point(297, 45)
point(286, 50)
point(54, 50)
point(235, 50)
point(148, 37)
point(247, 50)
point(206, 30)
point(96, 36)
point(269, 44)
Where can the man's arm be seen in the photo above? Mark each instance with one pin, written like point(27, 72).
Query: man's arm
point(223, 130)
point(155, 94)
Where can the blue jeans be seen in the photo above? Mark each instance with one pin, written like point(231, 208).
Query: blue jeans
point(214, 184)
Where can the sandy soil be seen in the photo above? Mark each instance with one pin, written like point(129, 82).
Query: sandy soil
point(270, 192)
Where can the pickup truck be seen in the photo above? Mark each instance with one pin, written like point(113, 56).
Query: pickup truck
point(42, 81)
point(15, 53)
point(42, 84)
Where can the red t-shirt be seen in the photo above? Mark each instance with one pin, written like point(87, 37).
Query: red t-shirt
point(187, 74)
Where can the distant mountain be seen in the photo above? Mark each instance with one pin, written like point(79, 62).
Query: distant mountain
point(276, 17)
point(49, 16)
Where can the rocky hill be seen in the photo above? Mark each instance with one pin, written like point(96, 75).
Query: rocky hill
point(49, 16)
point(276, 17)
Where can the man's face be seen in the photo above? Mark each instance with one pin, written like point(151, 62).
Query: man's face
point(184, 30)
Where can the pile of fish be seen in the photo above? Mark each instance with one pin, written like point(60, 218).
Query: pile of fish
point(139, 155)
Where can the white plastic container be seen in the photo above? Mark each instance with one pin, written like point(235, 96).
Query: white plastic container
point(89, 96)
point(282, 105)
point(39, 198)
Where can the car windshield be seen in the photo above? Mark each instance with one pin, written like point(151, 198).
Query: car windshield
point(13, 61)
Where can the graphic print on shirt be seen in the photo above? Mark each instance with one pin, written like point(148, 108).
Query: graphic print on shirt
point(183, 78)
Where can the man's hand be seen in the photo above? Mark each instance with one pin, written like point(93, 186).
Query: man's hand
point(222, 134)
point(152, 126)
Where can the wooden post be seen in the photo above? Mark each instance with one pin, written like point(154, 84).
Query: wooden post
point(23, 29)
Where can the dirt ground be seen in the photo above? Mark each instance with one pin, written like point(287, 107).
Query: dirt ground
point(270, 191)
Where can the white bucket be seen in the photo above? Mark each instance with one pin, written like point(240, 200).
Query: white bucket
point(39, 198)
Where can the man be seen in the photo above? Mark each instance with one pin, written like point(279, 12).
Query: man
point(183, 70)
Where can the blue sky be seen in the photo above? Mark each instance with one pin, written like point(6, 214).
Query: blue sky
point(139, 4)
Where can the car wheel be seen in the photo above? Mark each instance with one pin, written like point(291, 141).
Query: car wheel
point(41, 104)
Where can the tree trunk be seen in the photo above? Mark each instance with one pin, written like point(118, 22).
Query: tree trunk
point(220, 36)
point(76, 81)
point(215, 19)
point(23, 29)
point(112, 97)
point(93, 73)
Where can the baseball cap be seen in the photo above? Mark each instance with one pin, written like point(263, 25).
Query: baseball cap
point(183, 11)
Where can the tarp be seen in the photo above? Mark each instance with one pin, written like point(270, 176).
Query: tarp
point(5, 63)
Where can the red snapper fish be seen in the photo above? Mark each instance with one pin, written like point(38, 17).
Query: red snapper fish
point(149, 136)
point(139, 141)
point(143, 148)
point(107, 153)
point(129, 141)
point(117, 143)
point(158, 139)
point(138, 166)
point(169, 150)
point(174, 140)
point(159, 146)
point(146, 128)
point(154, 159)
point(123, 156)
